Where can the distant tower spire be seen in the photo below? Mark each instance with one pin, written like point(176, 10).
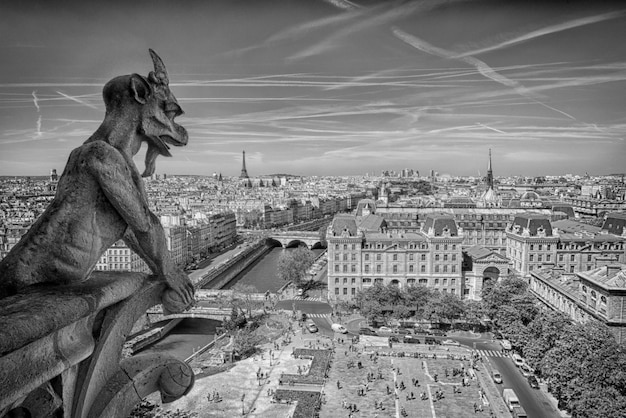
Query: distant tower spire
point(489, 172)
point(244, 172)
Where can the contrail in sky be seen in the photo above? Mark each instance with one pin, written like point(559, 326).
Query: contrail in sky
point(482, 67)
point(489, 127)
point(545, 31)
point(77, 100)
point(38, 132)
point(36, 100)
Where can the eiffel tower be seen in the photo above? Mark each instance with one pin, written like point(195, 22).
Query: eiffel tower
point(244, 172)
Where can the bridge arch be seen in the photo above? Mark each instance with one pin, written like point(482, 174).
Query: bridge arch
point(273, 242)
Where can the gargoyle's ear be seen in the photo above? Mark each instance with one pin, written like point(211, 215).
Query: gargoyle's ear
point(140, 88)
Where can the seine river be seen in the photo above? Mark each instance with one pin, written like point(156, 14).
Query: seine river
point(192, 333)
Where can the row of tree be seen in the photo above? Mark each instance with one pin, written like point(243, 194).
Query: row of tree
point(584, 365)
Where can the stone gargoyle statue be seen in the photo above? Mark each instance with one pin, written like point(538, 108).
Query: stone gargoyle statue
point(101, 199)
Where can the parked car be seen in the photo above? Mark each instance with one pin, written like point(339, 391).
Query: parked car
point(533, 382)
point(394, 339)
point(300, 292)
point(450, 342)
point(506, 344)
point(366, 331)
point(419, 330)
point(496, 376)
point(339, 328)
point(517, 359)
point(527, 371)
point(410, 339)
point(430, 340)
point(311, 327)
point(402, 331)
point(437, 332)
point(384, 330)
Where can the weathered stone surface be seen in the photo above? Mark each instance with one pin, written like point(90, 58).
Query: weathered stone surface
point(41, 310)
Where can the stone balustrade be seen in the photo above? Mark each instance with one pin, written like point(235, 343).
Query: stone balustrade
point(61, 349)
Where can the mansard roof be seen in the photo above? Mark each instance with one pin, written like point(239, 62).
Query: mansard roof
point(440, 222)
point(533, 222)
point(372, 223)
point(478, 252)
point(615, 223)
point(344, 223)
point(611, 276)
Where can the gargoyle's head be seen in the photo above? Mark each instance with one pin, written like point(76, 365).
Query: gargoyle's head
point(153, 107)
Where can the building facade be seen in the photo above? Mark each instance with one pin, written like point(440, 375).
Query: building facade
point(598, 294)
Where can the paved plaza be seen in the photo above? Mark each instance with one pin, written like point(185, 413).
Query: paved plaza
point(366, 379)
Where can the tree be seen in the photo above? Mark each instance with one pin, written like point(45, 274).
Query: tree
point(292, 265)
point(586, 355)
point(543, 333)
point(444, 305)
point(244, 293)
point(502, 293)
point(245, 341)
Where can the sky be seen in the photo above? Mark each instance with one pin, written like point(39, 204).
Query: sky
point(328, 87)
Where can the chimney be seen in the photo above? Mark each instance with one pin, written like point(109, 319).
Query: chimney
point(612, 270)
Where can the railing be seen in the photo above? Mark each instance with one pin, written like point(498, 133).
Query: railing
point(61, 349)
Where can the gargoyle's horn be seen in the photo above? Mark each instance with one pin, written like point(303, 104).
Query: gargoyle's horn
point(159, 68)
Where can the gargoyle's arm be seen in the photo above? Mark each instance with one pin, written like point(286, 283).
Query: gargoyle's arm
point(118, 181)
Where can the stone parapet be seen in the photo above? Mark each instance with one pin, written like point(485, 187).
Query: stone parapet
point(61, 349)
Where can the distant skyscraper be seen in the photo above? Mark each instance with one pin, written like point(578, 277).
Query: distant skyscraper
point(244, 172)
point(53, 175)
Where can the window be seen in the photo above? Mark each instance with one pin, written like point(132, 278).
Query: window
point(548, 247)
point(539, 258)
point(548, 257)
point(560, 257)
point(423, 268)
point(353, 247)
point(336, 269)
point(540, 247)
point(452, 282)
point(572, 257)
point(336, 257)
point(345, 269)
point(423, 282)
point(367, 268)
point(411, 268)
point(378, 257)
point(378, 268)
point(410, 282)
point(336, 291)
point(411, 257)
point(336, 246)
point(395, 268)
point(445, 282)
point(353, 291)
point(571, 269)
point(445, 268)
point(367, 281)
point(423, 257)
point(353, 268)
point(445, 257)
point(395, 257)
point(345, 280)
point(436, 257)
point(453, 269)
point(589, 257)
point(353, 258)
point(367, 257)
point(345, 246)
point(453, 257)
point(336, 280)
point(532, 257)
point(437, 269)
point(453, 246)
point(345, 291)
point(437, 247)
point(345, 257)
point(353, 280)
point(436, 282)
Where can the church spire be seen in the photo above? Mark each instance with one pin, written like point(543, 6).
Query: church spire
point(244, 172)
point(489, 173)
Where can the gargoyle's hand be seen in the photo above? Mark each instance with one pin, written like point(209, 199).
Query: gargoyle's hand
point(179, 295)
